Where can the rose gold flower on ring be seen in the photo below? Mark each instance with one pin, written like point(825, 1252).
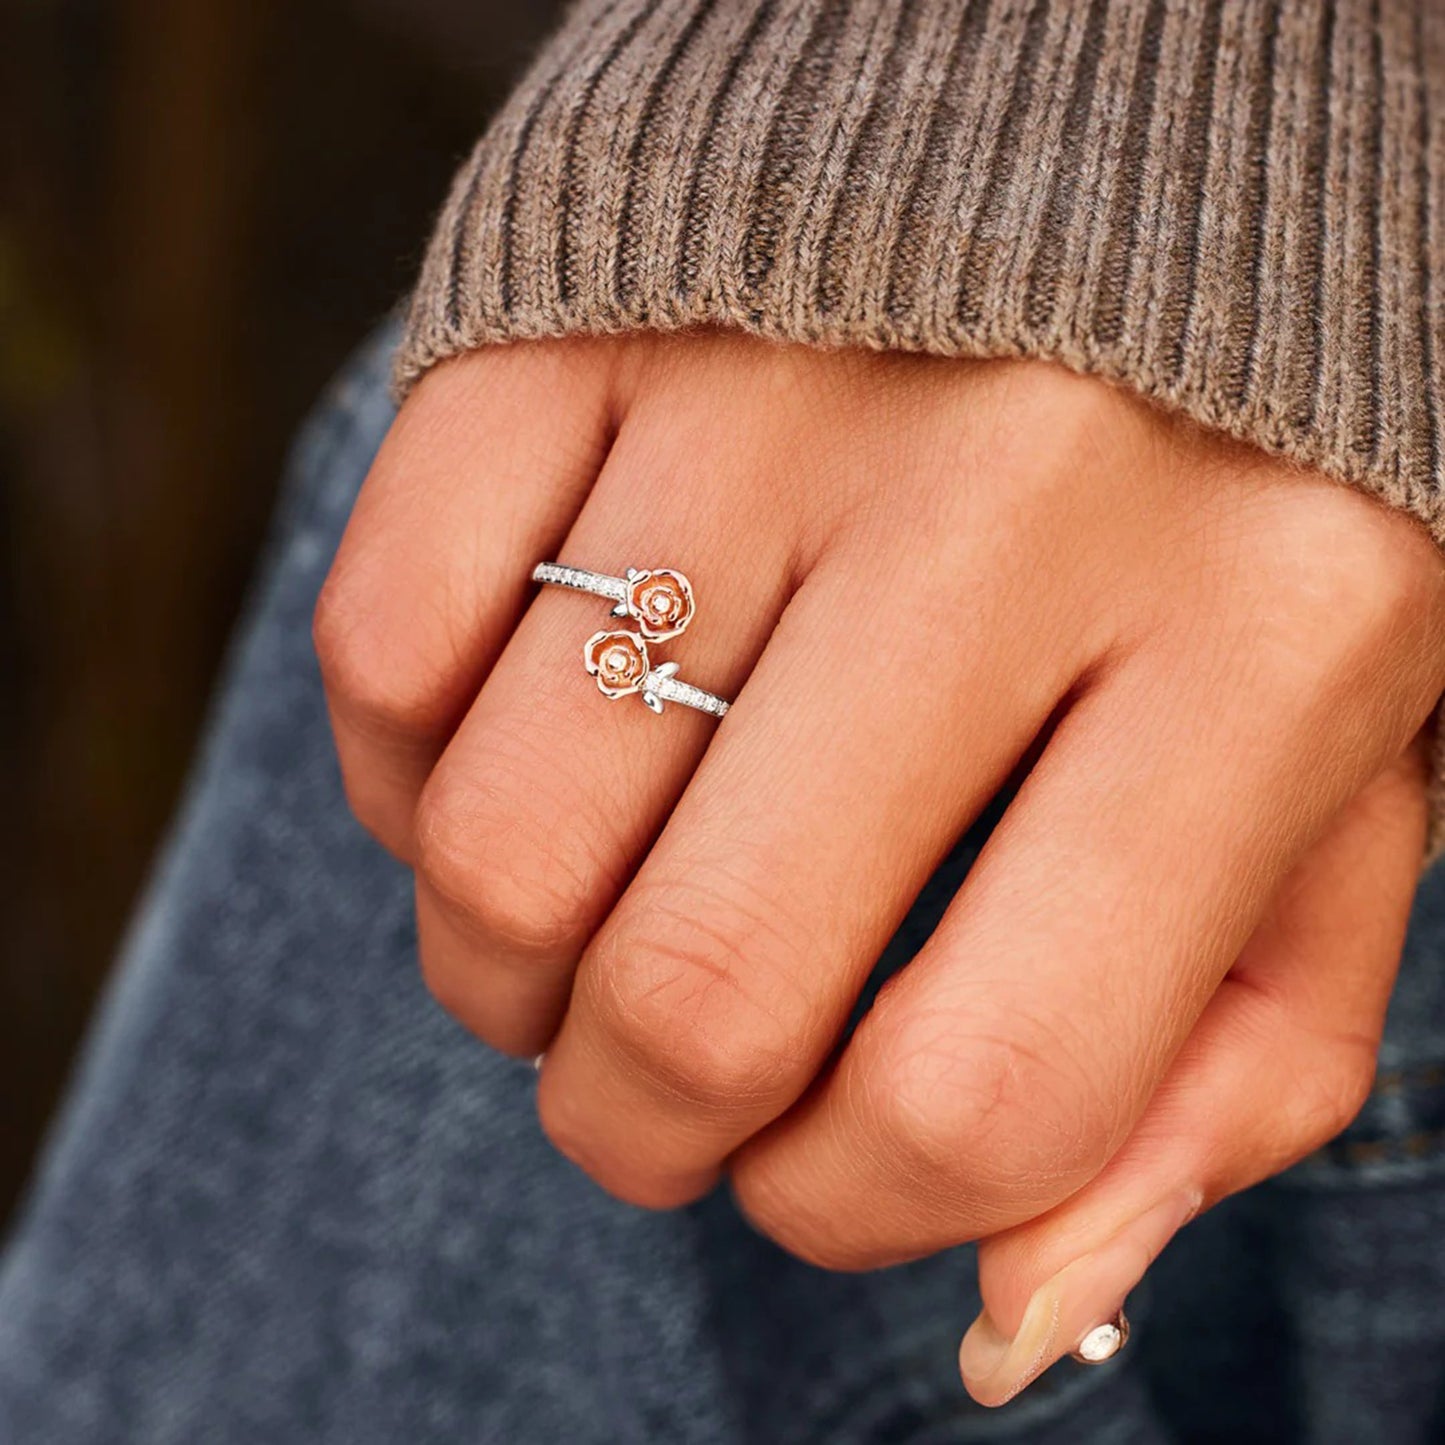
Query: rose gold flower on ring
point(661, 601)
point(618, 660)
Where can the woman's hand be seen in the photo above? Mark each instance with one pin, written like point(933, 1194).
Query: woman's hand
point(1166, 975)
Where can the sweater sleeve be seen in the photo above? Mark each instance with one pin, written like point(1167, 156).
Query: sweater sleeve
point(1234, 207)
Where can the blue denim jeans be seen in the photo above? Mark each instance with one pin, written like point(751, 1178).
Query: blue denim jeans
point(290, 1201)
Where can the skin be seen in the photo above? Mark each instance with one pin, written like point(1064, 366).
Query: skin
point(1164, 980)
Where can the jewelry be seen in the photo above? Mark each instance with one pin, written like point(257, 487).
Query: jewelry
point(619, 662)
point(1104, 1341)
point(660, 601)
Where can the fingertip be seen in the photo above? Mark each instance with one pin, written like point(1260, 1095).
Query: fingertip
point(1077, 1310)
point(980, 1354)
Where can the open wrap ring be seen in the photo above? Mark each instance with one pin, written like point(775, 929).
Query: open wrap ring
point(659, 600)
point(619, 662)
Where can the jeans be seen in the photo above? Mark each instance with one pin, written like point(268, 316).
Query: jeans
point(290, 1201)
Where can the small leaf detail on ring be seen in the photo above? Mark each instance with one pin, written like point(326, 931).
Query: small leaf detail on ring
point(618, 660)
point(661, 601)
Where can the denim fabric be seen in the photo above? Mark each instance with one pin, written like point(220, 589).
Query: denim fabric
point(289, 1201)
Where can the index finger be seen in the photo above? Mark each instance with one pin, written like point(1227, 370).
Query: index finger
point(482, 473)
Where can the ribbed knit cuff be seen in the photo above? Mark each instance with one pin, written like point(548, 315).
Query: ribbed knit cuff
point(1235, 207)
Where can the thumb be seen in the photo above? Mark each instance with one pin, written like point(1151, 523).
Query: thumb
point(1279, 1063)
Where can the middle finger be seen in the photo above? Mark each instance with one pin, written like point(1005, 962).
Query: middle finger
point(850, 765)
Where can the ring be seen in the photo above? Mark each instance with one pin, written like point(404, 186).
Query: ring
point(619, 662)
point(660, 600)
point(1104, 1341)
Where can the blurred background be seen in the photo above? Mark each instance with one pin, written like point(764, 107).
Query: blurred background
point(204, 205)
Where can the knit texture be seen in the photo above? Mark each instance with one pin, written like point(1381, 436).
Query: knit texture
point(1238, 209)
point(1235, 207)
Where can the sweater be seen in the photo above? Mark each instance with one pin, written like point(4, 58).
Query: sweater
point(1234, 207)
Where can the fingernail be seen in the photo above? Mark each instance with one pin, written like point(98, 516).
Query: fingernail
point(996, 1366)
point(1079, 1310)
point(538, 1062)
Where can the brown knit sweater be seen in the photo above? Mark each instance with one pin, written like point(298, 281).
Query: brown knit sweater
point(1236, 207)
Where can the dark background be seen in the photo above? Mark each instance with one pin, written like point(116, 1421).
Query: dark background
point(204, 205)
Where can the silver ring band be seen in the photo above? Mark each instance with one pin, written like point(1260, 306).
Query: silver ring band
point(665, 687)
point(614, 589)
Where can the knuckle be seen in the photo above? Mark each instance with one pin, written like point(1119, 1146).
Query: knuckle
point(1047, 417)
point(1006, 1115)
point(1356, 588)
point(515, 891)
point(369, 670)
point(676, 1005)
point(1326, 1099)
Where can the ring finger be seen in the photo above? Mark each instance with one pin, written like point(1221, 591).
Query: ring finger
point(550, 794)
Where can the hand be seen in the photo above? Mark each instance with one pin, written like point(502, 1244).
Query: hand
point(1166, 975)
